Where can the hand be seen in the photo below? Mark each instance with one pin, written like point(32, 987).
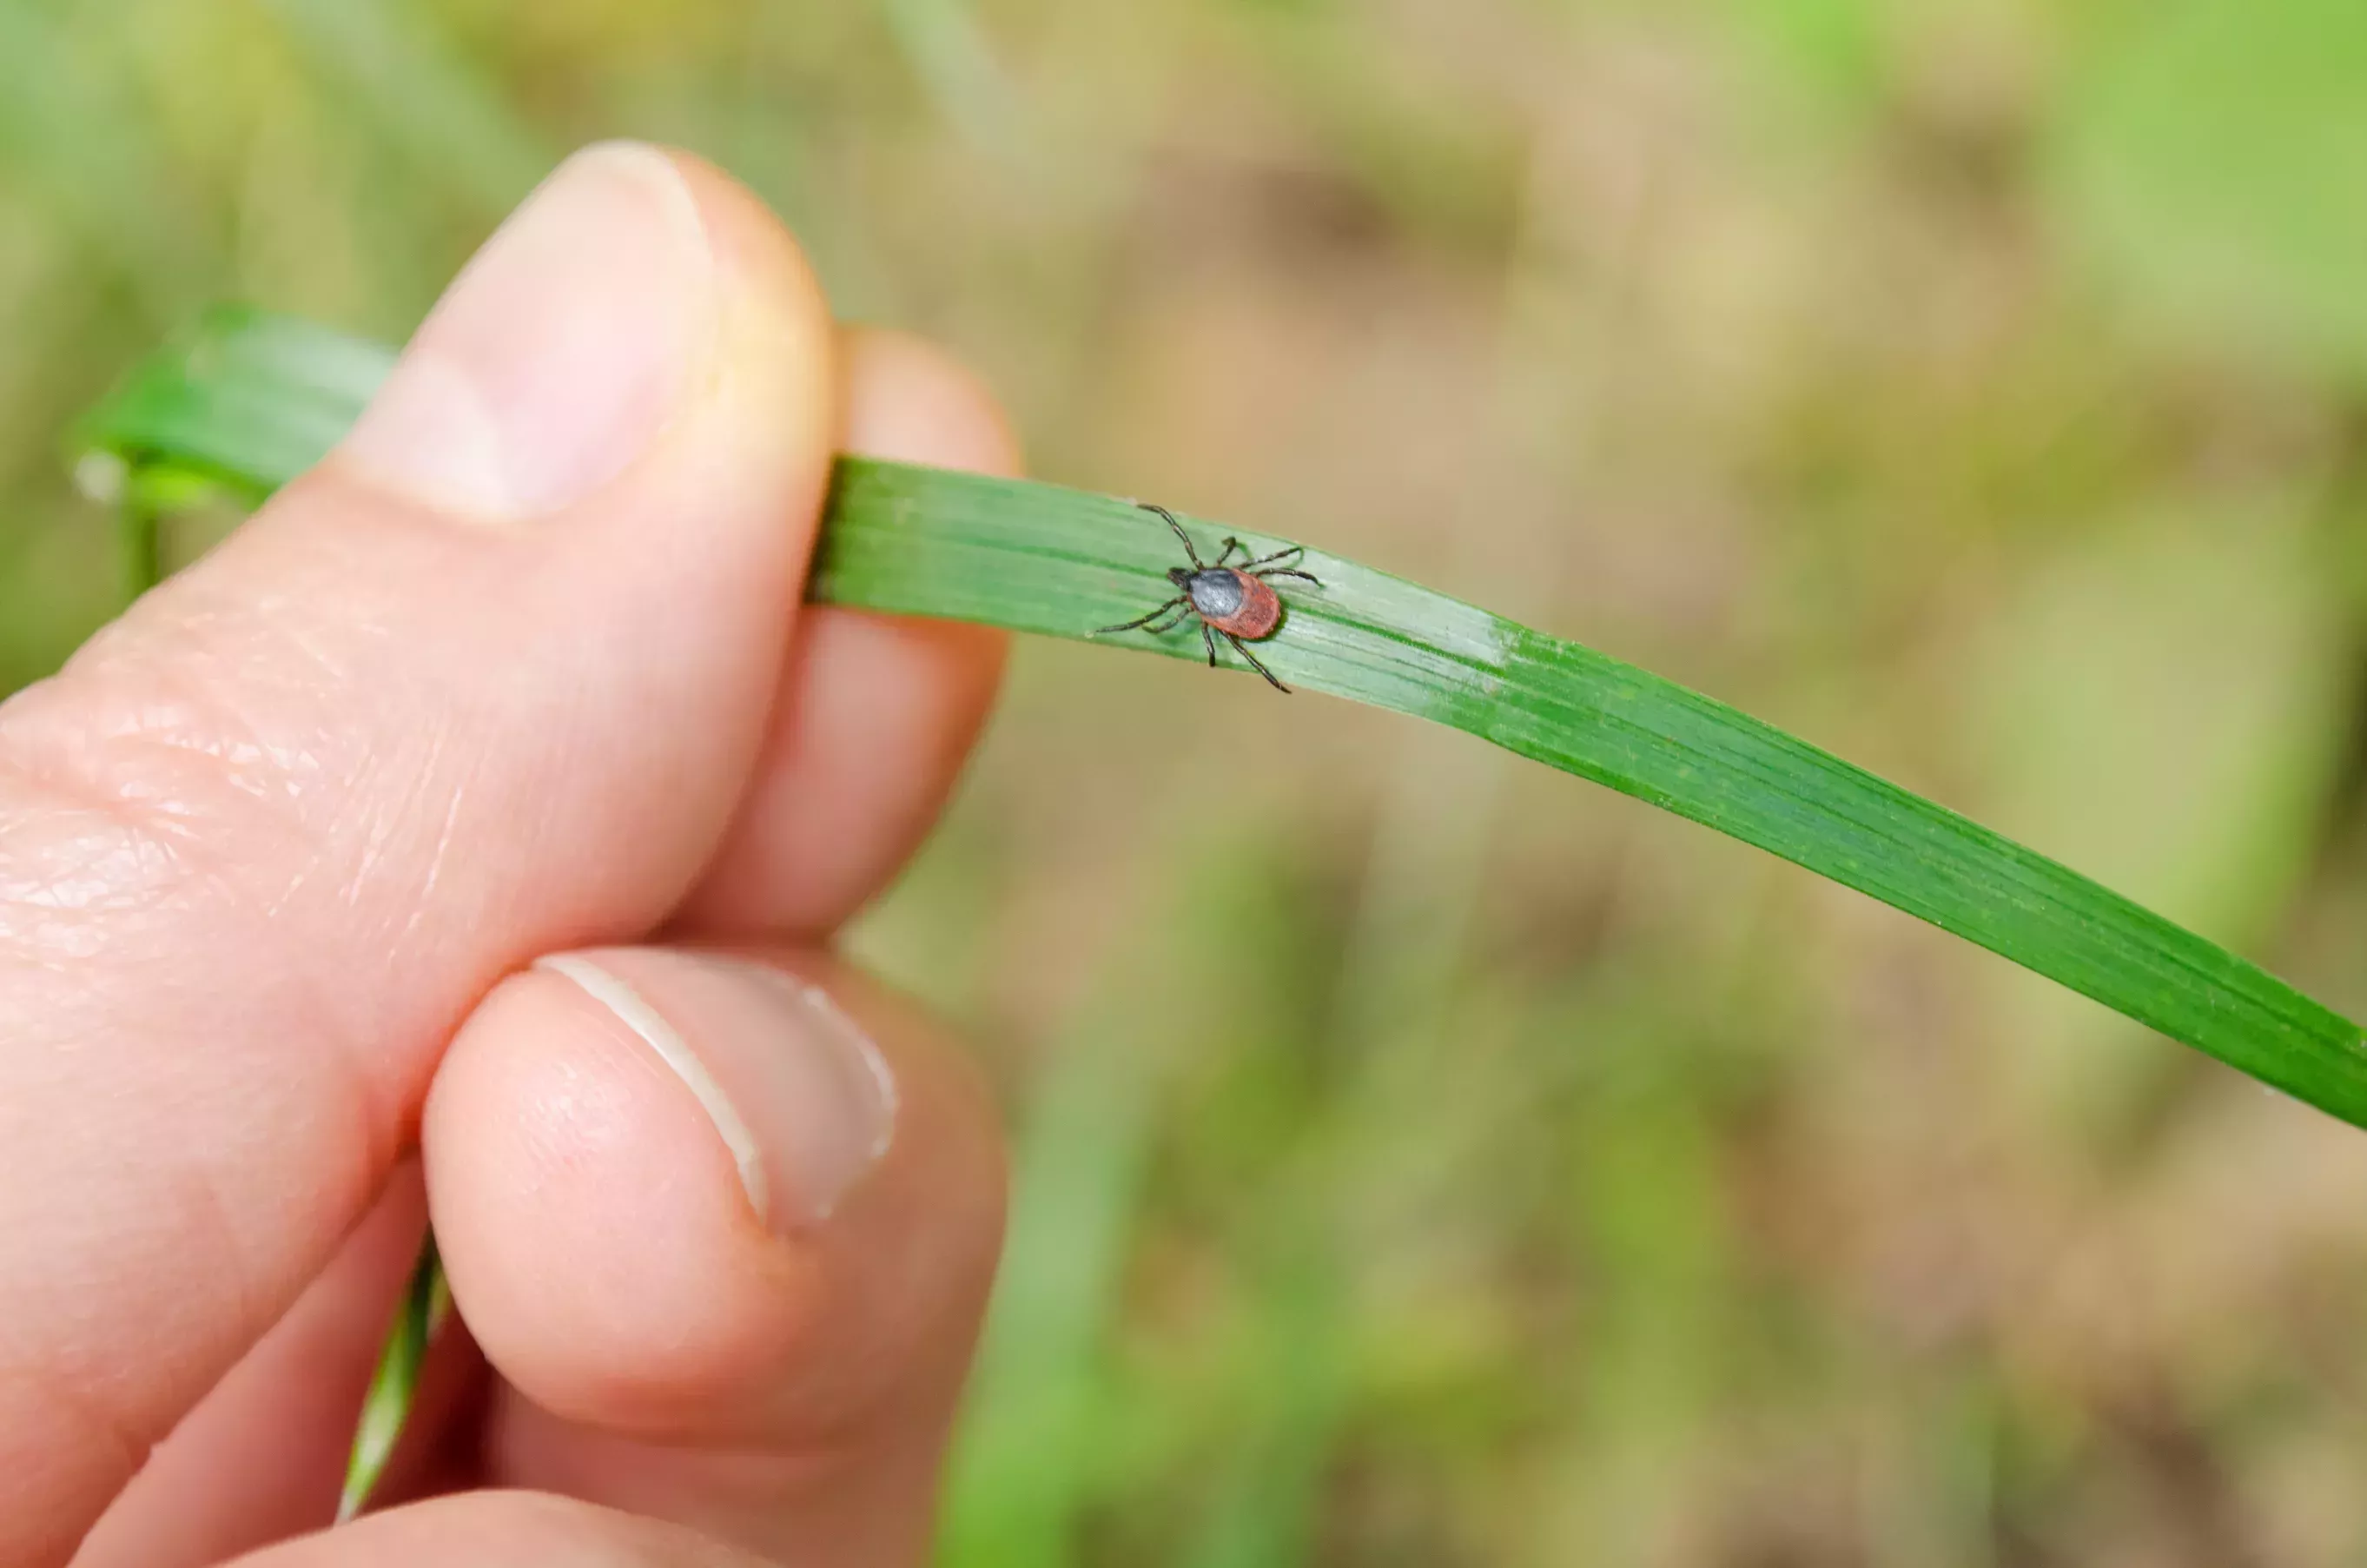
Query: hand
point(520, 670)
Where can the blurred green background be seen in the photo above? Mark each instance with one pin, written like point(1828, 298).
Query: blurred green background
point(1977, 387)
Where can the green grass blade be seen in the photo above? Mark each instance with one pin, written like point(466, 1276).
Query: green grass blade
point(948, 49)
point(247, 400)
point(394, 1387)
point(1266, 1505)
point(1025, 1468)
point(251, 401)
point(79, 139)
point(393, 67)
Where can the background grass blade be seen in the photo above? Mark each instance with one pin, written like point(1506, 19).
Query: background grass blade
point(1036, 1454)
point(250, 400)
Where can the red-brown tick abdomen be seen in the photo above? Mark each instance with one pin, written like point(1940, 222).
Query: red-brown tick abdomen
point(1259, 613)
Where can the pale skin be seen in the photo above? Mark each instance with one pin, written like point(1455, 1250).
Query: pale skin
point(520, 670)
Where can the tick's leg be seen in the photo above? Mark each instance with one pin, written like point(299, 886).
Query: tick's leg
point(1183, 613)
point(1211, 638)
point(1178, 532)
point(1277, 555)
point(1140, 620)
point(1289, 572)
point(1243, 649)
point(1231, 545)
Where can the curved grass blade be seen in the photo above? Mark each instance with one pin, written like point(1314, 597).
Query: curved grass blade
point(250, 400)
point(1052, 562)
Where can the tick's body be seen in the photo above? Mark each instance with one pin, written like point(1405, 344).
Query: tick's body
point(1234, 600)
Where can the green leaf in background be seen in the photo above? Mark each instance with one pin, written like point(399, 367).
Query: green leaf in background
point(1028, 1471)
point(113, 193)
point(395, 68)
point(2211, 163)
point(249, 401)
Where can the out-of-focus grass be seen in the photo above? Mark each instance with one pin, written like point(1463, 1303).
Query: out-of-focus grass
point(1564, 1185)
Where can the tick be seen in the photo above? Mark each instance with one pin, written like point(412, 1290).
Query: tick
point(1234, 600)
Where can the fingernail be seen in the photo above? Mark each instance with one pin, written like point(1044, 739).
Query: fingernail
point(801, 1097)
point(559, 352)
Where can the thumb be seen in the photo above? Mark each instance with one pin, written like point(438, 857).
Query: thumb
point(485, 685)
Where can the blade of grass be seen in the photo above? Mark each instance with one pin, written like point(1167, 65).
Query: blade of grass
point(77, 138)
point(948, 51)
point(1263, 1510)
point(249, 401)
point(395, 1384)
point(1024, 1470)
